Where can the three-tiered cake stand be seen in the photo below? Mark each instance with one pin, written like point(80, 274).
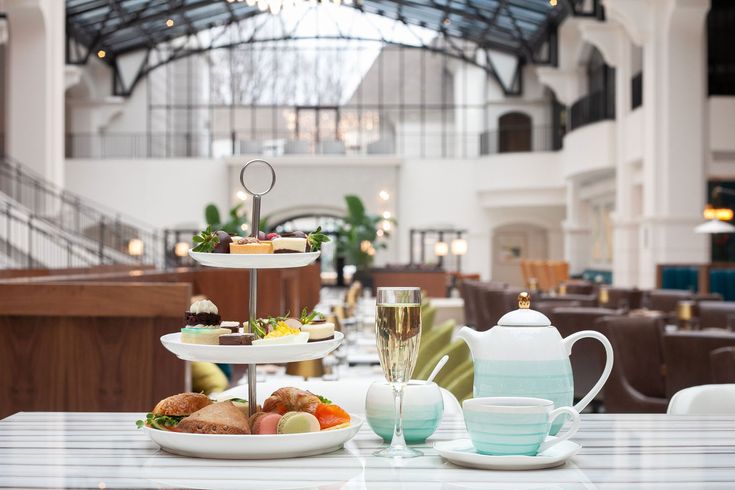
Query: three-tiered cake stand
point(253, 446)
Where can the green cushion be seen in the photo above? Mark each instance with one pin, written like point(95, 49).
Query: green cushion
point(207, 378)
point(461, 378)
point(432, 342)
point(458, 353)
point(428, 314)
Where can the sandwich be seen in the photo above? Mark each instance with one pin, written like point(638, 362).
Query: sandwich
point(218, 418)
point(170, 411)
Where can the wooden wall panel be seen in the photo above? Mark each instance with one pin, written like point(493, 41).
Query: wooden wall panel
point(434, 283)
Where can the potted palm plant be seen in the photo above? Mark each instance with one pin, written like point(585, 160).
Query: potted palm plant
point(358, 240)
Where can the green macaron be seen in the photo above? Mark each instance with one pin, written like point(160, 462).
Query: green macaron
point(297, 423)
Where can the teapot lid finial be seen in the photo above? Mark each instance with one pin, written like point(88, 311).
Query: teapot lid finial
point(524, 300)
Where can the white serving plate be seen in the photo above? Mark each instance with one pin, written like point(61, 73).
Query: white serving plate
point(254, 446)
point(255, 261)
point(461, 452)
point(250, 354)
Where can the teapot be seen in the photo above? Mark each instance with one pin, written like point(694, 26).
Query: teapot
point(524, 355)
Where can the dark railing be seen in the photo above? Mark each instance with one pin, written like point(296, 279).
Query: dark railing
point(592, 108)
point(520, 139)
point(69, 215)
point(27, 241)
point(636, 91)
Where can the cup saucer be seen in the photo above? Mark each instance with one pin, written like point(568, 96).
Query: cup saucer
point(461, 452)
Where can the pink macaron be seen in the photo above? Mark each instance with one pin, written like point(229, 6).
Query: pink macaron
point(267, 423)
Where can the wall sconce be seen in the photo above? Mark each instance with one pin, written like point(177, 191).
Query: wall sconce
point(441, 249)
point(459, 246)
point(181, 249)
point(135, 247)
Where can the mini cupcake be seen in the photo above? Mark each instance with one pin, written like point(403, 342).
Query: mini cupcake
point(202, 312)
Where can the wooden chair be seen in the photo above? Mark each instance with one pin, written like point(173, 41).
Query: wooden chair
point(540, 271)
point(526, 272)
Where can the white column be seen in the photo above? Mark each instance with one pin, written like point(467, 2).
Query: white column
point(469, 97)
point(616, 47)
point(576, 231)
point(672, 33)
point(35, 85)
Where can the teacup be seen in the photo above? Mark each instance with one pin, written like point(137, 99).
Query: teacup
point(423, 408)
point(505, 426)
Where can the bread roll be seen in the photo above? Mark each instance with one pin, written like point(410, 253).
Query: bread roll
point(218, 418)
point(182, 404)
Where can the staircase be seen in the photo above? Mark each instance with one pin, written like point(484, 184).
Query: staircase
point(44, 226)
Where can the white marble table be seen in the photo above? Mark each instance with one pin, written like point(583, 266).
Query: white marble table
point(104, 450)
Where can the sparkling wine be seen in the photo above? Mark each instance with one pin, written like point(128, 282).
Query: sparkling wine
point(398, 328)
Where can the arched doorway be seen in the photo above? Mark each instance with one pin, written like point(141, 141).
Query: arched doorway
point(514, 132)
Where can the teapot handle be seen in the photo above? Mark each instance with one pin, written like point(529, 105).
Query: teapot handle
point(584, 334)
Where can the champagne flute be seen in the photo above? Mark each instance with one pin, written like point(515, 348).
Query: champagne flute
point(398, 332)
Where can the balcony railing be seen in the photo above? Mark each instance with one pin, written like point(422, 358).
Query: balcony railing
point(519, 139)
point(594, 107)
point(101, 233)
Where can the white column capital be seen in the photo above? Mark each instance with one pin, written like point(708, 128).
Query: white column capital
point(634, 15)
point(562, 82)
point(608, 37)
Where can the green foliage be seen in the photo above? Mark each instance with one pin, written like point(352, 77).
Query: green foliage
point(359, 227)
point(205, 241)
point(236, 217)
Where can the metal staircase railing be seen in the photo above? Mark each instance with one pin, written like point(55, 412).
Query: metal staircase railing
point(97, 235)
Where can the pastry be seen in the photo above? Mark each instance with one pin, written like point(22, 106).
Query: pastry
point(319, 330)
point(291, 399)
point(183, 404)
point(250, 245)
point(231, 339)
point(218, 418)
point(297, 423)
point(234, 327)
point(288, 245)
point(202, 312)
point(201, 334)
point(265, 422)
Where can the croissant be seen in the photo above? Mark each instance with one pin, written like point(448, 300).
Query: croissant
point(291, 400)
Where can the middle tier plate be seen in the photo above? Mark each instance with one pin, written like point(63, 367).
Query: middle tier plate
point(255, 261)
point(250, 354)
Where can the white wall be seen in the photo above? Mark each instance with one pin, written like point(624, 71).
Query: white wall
point(163, 193)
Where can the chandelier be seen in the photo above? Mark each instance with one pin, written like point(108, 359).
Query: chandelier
point(277, 6)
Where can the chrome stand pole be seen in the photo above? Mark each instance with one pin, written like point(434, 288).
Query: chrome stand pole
point(253, 293)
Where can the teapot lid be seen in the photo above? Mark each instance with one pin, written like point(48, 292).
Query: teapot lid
point(524, 316)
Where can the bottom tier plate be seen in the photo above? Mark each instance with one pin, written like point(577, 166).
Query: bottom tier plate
point(253, 446)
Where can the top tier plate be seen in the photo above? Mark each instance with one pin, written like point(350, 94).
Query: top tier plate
point(255, 261)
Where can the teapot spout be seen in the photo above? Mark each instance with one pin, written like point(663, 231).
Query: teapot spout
point(469, 335)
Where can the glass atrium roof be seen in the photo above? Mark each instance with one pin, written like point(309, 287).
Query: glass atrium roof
point(120, 26)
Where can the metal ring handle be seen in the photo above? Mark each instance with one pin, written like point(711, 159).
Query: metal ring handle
point(242, 177)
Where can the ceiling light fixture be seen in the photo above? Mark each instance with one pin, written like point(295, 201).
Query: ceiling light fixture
point(101, 53)
point(169, 22)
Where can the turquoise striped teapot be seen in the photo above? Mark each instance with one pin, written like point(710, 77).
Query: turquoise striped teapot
point(524, 355)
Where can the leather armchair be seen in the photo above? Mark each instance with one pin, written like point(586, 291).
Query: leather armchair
point(587, 354)
point(636, 383)
point(687, 357)
point(716, 314)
